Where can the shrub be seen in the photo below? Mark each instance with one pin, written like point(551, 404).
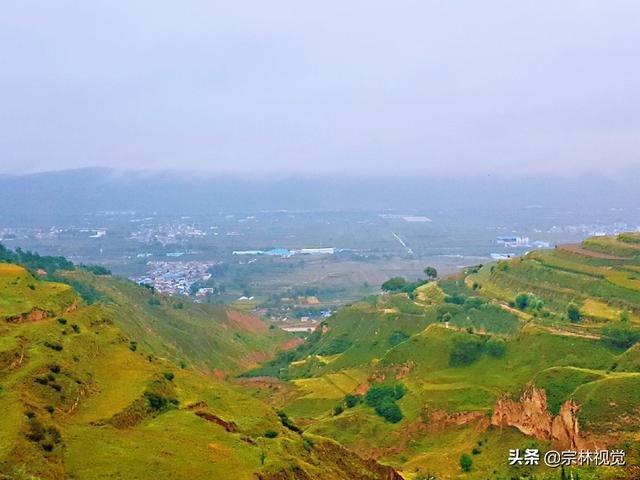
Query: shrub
point(382, 398)
point(465, 351)
point(153, 301)
point(96, 269)
point(53, 346)
point(573, 313)
point(496, 347)
point(156, 401)
point(54, 368)
point(456, 299)
point(388, 410)
point(474, 302)
point(397, 337)
point(431, 273)
point(133, 346)
point(394, 284)
point(466, 462)
point(75, 327)
point(378, 393)
point(169, 376)
point(62, 321)
point(270, 434)
point(337, 410)
point(621, 335)
point(286, 422)
point(36, 430)
point(521, 301)
point(352, 400)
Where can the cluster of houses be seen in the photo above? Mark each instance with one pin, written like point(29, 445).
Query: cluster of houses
point(175, 278)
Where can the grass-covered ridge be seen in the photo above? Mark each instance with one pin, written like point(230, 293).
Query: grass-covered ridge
point(131, 386)
point(565, 320)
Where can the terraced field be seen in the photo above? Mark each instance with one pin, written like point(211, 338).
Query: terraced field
point(564, 322)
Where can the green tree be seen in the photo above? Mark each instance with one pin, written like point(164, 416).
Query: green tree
point(573, 313)
point(431, 273)
point(466, 462)
point(622, 335)
point(352, 400)
point(465, 351)
point(496, 347)
point(389, 411)
point(394, 284)
point(522, 301)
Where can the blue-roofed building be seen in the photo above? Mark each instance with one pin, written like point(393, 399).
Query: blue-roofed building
point(279, 252)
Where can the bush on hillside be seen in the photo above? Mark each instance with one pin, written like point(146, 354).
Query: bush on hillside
point(465, 351)
point(573, 313)
point(456, 299)
point(53, 346)
point(521, 301)
point(397, 337)
point(466, 462)
point(474, 302)
point(379, 392)
point(96, 269)
point(286, 422)
point(394, 284)
point(389, 411)
point(33, 261)
point(352, 400)
point(496, 347)
point(383, 397)
point(622, 335)
point(431, 273)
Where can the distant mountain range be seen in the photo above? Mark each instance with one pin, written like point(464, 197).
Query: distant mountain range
point(64, 195)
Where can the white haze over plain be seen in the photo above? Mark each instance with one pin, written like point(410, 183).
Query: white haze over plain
point(332, 87)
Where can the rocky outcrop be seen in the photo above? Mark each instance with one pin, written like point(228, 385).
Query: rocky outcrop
point(201, 409)
point(210, 417)
point(440, 420)
point(531, 416)
point(32, 316)
point(37, 314)
point(396, 371)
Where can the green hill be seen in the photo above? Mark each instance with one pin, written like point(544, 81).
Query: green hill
point(101, 378)
point(565, 322)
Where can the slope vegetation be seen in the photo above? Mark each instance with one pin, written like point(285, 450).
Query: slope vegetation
point(112, 381)
point(503, 356)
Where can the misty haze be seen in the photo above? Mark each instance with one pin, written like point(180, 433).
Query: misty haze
point(286, 241)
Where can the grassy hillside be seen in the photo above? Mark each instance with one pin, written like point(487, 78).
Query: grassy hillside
point(130, 386)
point(566, 321)
point(22, 295)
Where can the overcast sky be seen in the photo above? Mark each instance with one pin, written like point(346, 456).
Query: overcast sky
point(320, 87)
